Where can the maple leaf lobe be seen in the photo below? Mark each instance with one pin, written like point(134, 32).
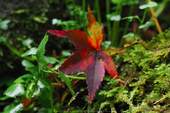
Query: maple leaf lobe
point(94, 74)
point(77, 37)
point(91, 18)
point(57, 33)
point(77, 62)
point(109, 65)
point(94, 30)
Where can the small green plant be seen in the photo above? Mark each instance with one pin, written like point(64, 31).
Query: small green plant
point(32, 85)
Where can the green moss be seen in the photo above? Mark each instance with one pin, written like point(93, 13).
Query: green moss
point(146, 73)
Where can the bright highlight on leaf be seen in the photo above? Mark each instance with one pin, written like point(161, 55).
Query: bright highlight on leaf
point(30, 52)
point(15, 90)
point(150, 4)
point(129, 34)
point(89, 56)
point(146, 25)
point(130, 18)
point(115, 18)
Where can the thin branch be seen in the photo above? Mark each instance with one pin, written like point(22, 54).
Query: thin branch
point(155, 19)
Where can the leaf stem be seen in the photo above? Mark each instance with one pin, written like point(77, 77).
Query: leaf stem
point(83, 7)
point(89, 108)
point(98, 11)
point(71, 77)
point(108, 20)
point(127, 24)
point(155, 19)
point(114, 40)
point(75, 15)
point(51, 97)
point(144, 15)
point(141, 22)
point(16, 52)
point(164, 96)
point(138, 41)
point(158, 11)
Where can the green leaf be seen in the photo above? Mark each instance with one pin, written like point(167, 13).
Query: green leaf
point(27, 42)
point(40, 84)
point(146, 25)
point(43, 83)
point(130, 34)
point(40, 52)
point(4, 98)
point(40, 19)
point(150, 4)
point(108, 16)
point(3, 39)
point(44, 98)
point(33, 70)
point(67, 81)
point(26, 63)
point(66, 53)
point(116, 1)
point(15, 90)
point(56, 21)
point(20, 11)
point(24, 78)
point(106, 45)
point(36, 91)
point(115, 18)
point(50, 60)
point(32, 90)
point(19, 80)
point(32, 51)
point(45, 110)
point(14, 108)
point(125, 2)
point(130, 2)
point(4, 24)
point(130, 18)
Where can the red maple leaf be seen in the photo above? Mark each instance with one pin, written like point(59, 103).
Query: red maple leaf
point(89, 56)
